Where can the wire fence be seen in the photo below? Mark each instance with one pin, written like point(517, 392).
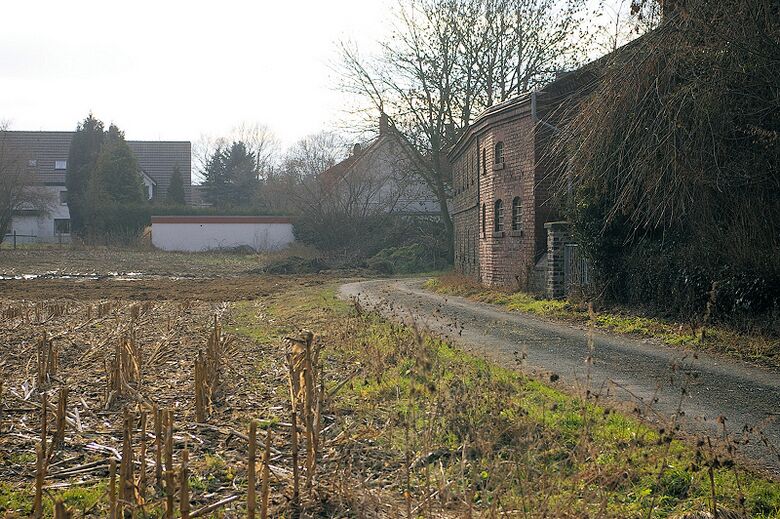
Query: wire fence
point(16, 239)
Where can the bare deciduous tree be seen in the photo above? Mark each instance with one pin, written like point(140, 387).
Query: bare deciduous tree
point(19, 188)
point(293, 186)
point(447, 60)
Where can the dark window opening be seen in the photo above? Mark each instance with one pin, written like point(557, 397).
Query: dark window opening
point(498, 216)
point(61, 226)
point(484, 161)
point(498, 156)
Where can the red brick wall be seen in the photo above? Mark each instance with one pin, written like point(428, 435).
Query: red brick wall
point(503, 258)
point(506, 257)
point(465, 219)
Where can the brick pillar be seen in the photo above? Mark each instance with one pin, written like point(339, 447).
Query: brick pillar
point(557, 237)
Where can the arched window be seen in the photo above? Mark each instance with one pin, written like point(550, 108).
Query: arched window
point(498, 216)
point(498, 156)
point(484, 219)
point(517, 214)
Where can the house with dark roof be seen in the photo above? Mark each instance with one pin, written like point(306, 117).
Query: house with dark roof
point(45, 155)
point(383, 175)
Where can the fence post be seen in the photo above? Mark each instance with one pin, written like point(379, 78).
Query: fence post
point(14, 239)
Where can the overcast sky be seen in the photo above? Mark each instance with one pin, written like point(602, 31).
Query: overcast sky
point(175, 69)
point(172, 69)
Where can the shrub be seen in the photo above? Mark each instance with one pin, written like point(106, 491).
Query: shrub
point(408, 243)
point(406, 259)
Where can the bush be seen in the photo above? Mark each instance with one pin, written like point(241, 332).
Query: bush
point(399, 243)
point(674, 155)
point(295, 265)
point(116, 224)
point(404, 260)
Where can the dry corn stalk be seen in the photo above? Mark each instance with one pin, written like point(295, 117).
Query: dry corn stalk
point(12, 312)
point(124, 368)
point(306, 393)
point(169, 471)
point(266, 475)
point(105, 308)
point(112, 488)
point(40, 474)
point(202, 392)
point(251, 471)
point(142, 473)
point(158, 439)
point(126, 479)
point(47, 360)
point(60, 512)
point(44, 419)
point(62, 407)
point(184, 495)
point(208, 371)
point(135, 311)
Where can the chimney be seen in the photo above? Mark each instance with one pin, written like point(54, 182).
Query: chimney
point(384, 123)
point(356, 148)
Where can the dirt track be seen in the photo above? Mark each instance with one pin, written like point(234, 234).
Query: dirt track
point(656, 379)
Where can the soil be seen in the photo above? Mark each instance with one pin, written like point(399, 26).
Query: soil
point(154, 288)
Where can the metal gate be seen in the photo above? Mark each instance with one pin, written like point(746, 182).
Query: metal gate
point(576, 272)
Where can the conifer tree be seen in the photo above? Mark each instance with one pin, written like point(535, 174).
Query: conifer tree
point(82, 157)
point(232, 176)
point(175, 195)
point(116, 170)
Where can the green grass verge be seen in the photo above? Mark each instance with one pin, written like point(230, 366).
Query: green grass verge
point(755, 348)
point(500, 441)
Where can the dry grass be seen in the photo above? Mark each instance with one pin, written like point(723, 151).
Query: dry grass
point(103, 261)
point(401, 424)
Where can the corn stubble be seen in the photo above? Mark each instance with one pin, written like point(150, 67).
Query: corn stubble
point(412, 437)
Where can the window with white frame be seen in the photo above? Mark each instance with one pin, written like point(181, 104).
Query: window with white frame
point(517, 214)
point(498, 216)
point(60, 165)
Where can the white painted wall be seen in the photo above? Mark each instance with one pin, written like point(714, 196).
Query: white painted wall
point(196, 237)
point(42, 226)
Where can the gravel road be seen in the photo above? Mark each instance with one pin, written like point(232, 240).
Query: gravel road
point(658, 380)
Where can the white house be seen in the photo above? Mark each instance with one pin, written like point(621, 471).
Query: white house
point(45, 155)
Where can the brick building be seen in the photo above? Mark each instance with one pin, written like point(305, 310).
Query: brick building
point(503, 187)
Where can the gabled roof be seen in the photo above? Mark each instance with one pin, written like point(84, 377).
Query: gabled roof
point(363, 151)
point(155, 158)
point(341, 169)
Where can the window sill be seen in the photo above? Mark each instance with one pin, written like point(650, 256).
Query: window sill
point(499, 166)
point(498, 234)
point(516, 234)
